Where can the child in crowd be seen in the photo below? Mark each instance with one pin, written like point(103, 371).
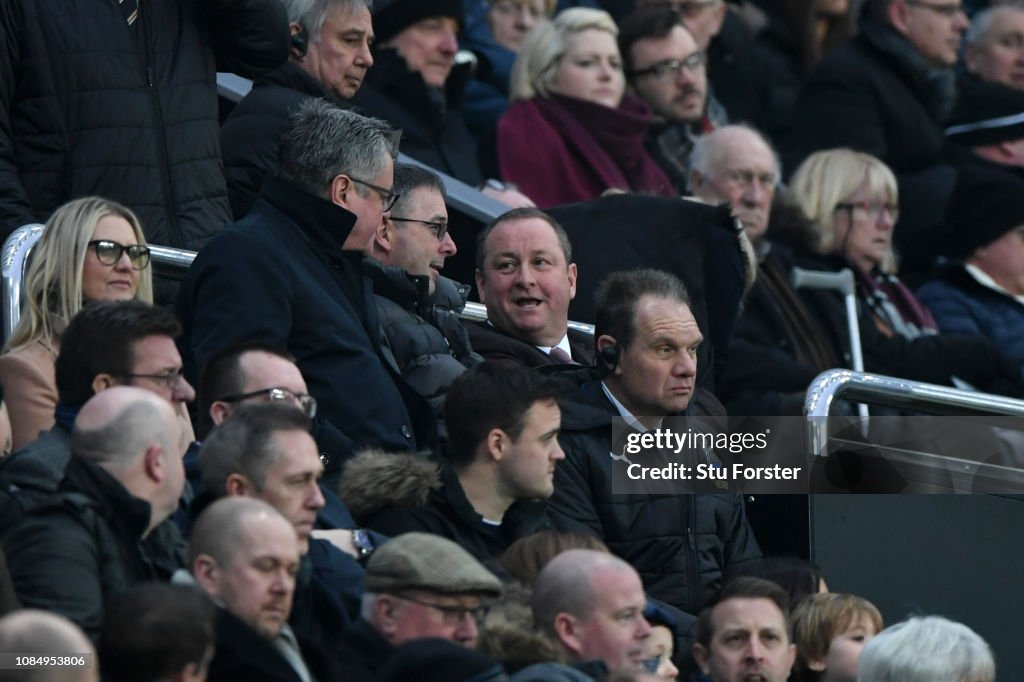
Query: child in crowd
point(829, 630)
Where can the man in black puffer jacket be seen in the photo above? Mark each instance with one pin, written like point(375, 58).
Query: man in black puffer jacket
point(681, 545)
point(93, 104)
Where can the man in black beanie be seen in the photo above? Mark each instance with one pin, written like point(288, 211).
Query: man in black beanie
point(416, 85)
point(980, 288)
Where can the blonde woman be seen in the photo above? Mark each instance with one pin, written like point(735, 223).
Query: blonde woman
point(92, 249)
point(573, 132)
point(853, 202)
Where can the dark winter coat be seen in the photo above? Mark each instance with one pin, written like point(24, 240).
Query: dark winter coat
point(877, 95)
point(681, 545)
point(280, 277)
point(431, 133)
point(766, 374)
point(494, 344)
point(449, 513)
point(962, 305)
point(421, 333)
point(95, 106)
point(85, 544)
point(250, 135)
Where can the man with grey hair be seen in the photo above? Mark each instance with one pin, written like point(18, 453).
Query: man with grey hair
point(47, 634)
point(123, 480)
point(592, 604)
point(994, 45)
point(329, 57)
point(888, 90)
point(289, 275)
point(927, 649)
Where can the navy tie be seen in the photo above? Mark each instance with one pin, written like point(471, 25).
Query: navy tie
point(562, 357)
point(130, 10)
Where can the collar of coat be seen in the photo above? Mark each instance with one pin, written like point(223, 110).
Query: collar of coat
point(324, 224)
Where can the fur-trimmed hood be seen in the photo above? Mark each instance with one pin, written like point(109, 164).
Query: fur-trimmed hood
point(374, 480)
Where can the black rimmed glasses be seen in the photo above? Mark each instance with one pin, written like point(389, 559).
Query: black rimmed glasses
point(948, 11)
point(387, 196)
point(168, 379)
point(452, 615)
point(440, 229)
point(109, 252)
point(304, 401)
point(872, 209)
point(670, 68)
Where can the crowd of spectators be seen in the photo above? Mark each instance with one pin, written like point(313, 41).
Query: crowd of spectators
point(368, 487)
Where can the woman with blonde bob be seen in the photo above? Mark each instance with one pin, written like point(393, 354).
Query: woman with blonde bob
point(852, 199)
point(91, 249)
point(573, 132)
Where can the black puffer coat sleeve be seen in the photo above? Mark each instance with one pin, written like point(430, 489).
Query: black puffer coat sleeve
point(14, 205)
point(250, 37)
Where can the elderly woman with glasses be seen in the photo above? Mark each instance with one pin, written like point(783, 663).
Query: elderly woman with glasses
point(92, 249)
point(572, 132)
point(852, 200)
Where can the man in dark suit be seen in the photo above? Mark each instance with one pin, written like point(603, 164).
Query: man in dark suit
point(526, 278)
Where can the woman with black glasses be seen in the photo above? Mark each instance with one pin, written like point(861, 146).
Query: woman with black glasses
point(92, 249)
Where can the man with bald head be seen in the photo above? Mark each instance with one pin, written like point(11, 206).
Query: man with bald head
point(245, 555)
point(123, 480)
point(592, 604)
point(47, 634)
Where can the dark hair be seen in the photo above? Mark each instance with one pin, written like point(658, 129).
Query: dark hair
point(100, 339)
point(525, 213)
point(243, 444)
point(222, 376)
point(490, 396)
point(618, 293)
point(652, 21)
point(744, 587)
point(526, 557)
point(153, 630)
point(409, 177)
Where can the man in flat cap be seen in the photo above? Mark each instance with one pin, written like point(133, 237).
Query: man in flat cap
point(417, 585)
point(986, 127)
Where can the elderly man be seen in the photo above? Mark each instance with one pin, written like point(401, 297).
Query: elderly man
point(329, 57)
point(503, 448)
point(783, 339)
point(744, 634)
point(986, 127)
point(887, 91)
point(123, 480)
point(666, 69)
point(123, 343)
point(289, 275)
point(592, 605)
point(994, 45)
point(418, 585)
point(417, 86)
point(47, 634)
point(245, 555)
point(646, 340)
point(526, 278)
point(418, 307)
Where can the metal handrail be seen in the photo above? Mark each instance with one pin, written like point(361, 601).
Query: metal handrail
point(835, 384)
point(19, 245)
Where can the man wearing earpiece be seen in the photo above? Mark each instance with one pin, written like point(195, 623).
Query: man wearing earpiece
point(646, 343)
point(329, 57)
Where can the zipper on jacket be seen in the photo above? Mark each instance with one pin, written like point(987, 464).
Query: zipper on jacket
point(693, 574)
point(173, 229)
